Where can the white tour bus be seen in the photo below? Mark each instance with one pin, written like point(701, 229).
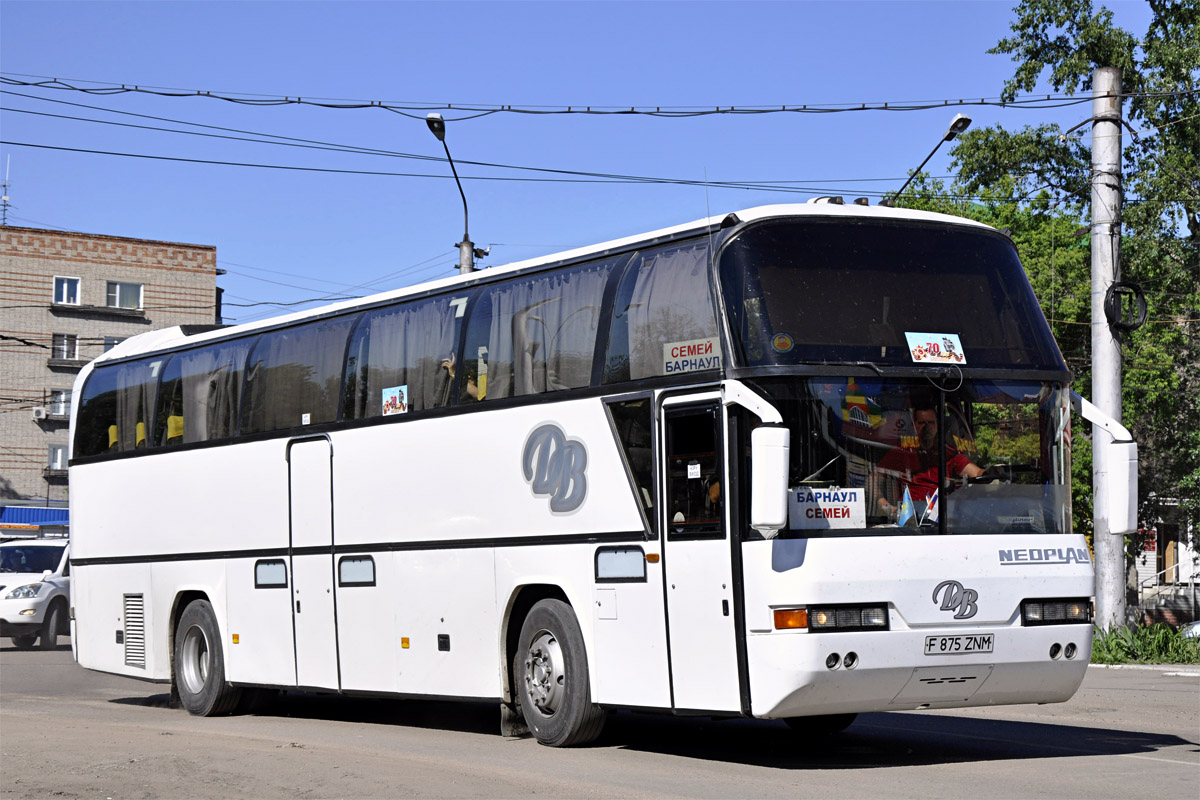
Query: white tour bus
point(795, 462)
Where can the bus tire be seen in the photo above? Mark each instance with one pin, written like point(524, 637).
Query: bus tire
point(200, 663)
point(821, 725)
point(551, 675)
point(25, 642)
point(50, 627)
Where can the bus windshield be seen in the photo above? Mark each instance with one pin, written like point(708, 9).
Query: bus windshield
point(877, 455)
point(849, 290)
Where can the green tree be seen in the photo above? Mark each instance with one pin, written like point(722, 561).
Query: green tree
point(1035, 182)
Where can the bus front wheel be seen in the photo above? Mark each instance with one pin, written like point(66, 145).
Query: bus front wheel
point(200, 663)
point(551, 674)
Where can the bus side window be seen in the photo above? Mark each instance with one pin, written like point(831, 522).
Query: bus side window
point(401, 358)
point(664, 303)
point(97, 413)
point(294, 376)
point(137, 389)
point(535, 334)
point(168, 426)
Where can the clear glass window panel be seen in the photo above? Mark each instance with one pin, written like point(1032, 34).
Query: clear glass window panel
point(270, 574)
point(66, 291)
point(356, 571)
point(60, 401)
point(30, 558)
point(64, 345)
point(695, 499)
point(535, 335)
point(124, 295)
point(294, 377)
point(57, 456)
point(1005, 468)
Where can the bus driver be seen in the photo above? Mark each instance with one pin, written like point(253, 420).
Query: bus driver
point(916, 470)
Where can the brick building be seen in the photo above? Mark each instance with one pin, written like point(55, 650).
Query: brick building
point(65, 298)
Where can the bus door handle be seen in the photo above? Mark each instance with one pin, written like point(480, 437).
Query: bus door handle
point(724, 607)
point(297, 606)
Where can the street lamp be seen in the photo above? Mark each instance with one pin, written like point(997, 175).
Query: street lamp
point(957, 125)
point(466, 248)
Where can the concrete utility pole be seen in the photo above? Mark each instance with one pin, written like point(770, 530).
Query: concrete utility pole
point(1106, 349)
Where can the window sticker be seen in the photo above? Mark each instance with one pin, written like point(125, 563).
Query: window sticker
point(783, 343)
point(693, 355)
point(395, 400)
point(824, 509)
point(937, 348)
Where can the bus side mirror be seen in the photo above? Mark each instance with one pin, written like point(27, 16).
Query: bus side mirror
point(769, 455)
point(1121, 464)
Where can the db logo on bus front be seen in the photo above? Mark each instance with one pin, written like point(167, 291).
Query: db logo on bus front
point(555, 466)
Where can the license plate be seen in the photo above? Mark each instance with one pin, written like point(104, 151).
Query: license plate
point(958, 645)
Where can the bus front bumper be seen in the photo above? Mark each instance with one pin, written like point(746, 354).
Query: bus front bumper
point(797, 673)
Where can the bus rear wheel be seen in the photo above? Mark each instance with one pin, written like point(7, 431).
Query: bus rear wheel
point(200, 663)
point(550, 670)
point(822, 725)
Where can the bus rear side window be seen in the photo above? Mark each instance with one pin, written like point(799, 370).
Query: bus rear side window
point(117, 412)
point(294, 376)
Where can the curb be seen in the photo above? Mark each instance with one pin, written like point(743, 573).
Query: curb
point(1170, 670)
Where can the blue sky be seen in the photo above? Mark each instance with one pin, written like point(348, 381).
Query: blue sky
point(285, 236)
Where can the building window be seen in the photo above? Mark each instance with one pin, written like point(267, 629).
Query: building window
point(65, 345)
point(60, 402)
point(112, 341)
point(57, 456)
point(66, 291)
point(124, 295)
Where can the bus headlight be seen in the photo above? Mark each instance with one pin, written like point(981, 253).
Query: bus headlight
point(1056, 612)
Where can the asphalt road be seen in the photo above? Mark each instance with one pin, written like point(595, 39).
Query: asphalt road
point(67, 732)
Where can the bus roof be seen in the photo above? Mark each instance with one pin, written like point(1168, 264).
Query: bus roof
point(167, 338)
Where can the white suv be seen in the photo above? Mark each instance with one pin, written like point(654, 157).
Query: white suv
point(35, 591)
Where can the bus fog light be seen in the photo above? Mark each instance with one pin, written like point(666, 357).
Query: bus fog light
point(1055, 649)
point(832, 661)
point(1070, 650)
point(851, 660)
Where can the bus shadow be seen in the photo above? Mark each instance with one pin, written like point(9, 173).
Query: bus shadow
point(876, 740)
point(464, 717)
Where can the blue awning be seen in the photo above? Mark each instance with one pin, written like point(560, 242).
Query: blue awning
point(25, 516)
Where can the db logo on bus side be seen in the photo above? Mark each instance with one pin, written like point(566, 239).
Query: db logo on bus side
point(554, 465)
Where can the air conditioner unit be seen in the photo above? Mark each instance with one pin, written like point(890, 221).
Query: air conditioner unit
point(39, 413)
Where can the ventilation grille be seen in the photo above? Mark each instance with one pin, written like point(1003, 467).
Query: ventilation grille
point(135, 631)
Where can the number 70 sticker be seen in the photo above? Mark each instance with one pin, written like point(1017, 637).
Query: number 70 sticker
point(940, 348)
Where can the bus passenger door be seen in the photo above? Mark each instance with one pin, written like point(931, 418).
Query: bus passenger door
point(314, 616)
point(697, 557)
